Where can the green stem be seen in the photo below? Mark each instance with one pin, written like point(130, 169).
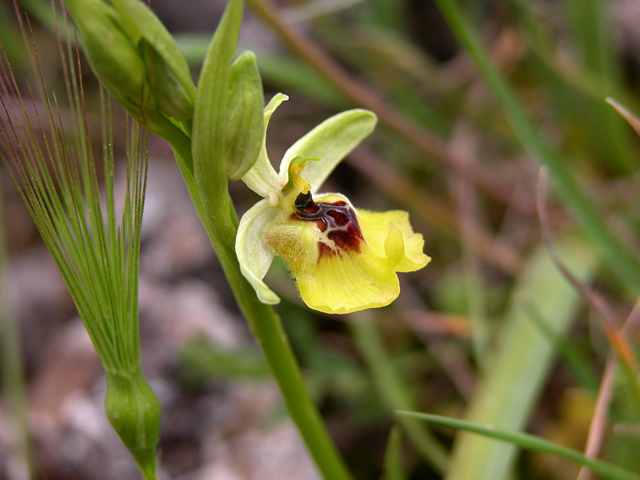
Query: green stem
point(207, 184)
point(622, 262)
point(267, 328)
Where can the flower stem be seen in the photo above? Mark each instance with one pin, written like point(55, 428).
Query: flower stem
point(267, 328)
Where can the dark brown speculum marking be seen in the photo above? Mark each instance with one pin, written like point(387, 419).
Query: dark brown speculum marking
point(337, 220)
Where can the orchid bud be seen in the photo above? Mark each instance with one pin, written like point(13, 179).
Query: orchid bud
point(114, 59)
point(169, 75)
point(134, 57)
point(172, 97)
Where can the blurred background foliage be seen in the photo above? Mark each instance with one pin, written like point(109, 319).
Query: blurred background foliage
point(471, 102)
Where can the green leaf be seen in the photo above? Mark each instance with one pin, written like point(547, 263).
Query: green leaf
point(530, 442)
point(245, 128)
point(393, 469)
point(515, 375)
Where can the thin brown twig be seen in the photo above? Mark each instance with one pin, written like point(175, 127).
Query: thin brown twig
point(598, 426)
point(589, 295)
point(599, 423)
point(632, 323)
point(615, 336)
point(363, 96)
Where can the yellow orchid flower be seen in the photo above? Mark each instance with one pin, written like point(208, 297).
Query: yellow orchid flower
point(343, 259)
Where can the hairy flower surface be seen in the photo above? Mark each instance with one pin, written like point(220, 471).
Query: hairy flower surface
point(343, 259)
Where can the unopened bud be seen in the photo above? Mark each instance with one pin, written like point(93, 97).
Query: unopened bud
point(114, 59)
point(169, 75)
point(134, 413)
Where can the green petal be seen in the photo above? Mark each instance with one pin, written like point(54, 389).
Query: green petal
point(254, 255)
point(390, 235)
point(262, 178)
point(330, 141)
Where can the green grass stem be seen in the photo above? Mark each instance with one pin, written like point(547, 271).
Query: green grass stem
point(530, 442)
point(393, 468)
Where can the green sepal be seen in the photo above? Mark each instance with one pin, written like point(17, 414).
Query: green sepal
point(331, 141)
point(169, 74)
point(134, 413)
point(254, 255)
point(170, 95)
point(245, 126)
point(113, 57)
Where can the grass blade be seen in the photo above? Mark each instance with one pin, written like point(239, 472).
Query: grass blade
point(393, 469)
point(517, 371)
point(12, 374)
point(530, 442)
point(592, 31)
